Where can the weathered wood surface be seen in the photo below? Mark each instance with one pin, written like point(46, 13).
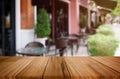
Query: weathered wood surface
point(59, 67)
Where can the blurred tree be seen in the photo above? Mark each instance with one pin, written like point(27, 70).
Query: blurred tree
point(116, 11)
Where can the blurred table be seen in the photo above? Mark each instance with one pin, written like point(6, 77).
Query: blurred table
point(32, 51)
point(71, 41)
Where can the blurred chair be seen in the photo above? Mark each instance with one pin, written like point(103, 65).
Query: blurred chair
point(90, 31)
point(48, 44)
point(79, 36)
point(32, 49)
point(61, 45)
point(34, 44)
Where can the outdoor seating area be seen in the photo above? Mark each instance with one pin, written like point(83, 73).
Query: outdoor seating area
point(72, 45)
point(62, 28)
point(59, 39)
point(63, 46)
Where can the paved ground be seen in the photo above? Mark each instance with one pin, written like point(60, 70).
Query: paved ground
point(82, 51)
point(116, 28)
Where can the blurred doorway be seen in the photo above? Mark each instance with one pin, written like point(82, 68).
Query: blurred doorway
point(7, 27)
point(61, 18)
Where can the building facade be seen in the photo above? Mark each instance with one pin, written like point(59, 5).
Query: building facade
point(22, 14)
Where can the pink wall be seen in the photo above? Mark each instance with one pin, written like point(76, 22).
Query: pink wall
point(74, 21)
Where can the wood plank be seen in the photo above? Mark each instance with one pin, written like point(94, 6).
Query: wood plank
point(87, 68)
point(78, 69)
point(7, 61)
point(54, 68)
point(14, 68)
point(35, 69)
point(111, 62)
point(59, 67)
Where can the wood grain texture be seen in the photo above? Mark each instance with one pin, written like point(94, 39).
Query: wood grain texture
point(59, 67)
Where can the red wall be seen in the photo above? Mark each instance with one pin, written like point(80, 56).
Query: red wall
point(74, 21)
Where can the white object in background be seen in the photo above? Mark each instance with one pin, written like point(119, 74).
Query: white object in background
point(27, 36)
point(117, 53)
point(41, 40)
point(18, 23)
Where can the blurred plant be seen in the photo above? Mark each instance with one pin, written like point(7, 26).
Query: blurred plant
point(105, 29)
point(43, 28)
point(101, 45)
point(116, 11)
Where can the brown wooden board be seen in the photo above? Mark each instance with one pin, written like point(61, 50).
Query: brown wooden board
point(59, 67)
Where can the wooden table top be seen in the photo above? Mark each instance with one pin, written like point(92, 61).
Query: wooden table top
point(59, 67)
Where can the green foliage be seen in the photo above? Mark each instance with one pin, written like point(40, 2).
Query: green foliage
point(105, 29)
point(101, 45)
point(116, 11)
point(43, 28)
